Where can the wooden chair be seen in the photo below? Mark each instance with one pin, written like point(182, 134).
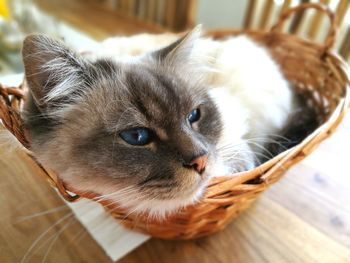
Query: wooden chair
point(260, 14)
point(173, 15)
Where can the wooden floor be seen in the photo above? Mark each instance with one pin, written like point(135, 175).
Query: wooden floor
point(305, 217)
point(25, 193)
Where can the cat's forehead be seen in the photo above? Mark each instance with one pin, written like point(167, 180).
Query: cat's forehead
point(152, 83)
point(141, 95)
point(138, 80)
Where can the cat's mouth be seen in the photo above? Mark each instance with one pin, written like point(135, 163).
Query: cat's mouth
point(172, 200)
point(188, 185)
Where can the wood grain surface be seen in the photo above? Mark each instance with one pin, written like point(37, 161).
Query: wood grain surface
point(305, 217)
point(96, 19)
point(31, 212)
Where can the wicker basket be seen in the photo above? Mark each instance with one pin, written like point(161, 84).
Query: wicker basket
point(314, 71)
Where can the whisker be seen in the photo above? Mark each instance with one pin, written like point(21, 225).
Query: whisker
point(24, 218)
point(24, 258)
point(42, 235)
point(55, 237)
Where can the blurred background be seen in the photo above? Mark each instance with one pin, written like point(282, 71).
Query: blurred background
point(83, 22)
point(282, 227)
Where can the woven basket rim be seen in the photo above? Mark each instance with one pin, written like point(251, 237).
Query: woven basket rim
point(264, 170)
point(260, 170)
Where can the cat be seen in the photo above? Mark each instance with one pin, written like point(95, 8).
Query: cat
point(147, 126)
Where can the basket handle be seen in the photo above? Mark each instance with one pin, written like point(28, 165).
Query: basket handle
point(330, 39)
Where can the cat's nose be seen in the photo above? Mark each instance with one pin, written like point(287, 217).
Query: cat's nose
point(198, 163)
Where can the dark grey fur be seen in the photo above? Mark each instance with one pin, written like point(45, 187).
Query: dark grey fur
point(77, 133)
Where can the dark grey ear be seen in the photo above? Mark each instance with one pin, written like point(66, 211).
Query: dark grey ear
point(180, 51)
point(52, 70)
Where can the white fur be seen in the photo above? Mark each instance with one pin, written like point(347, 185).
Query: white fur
point(253, 97)
point(249, 89)
point(247, 86)
point(135, 45)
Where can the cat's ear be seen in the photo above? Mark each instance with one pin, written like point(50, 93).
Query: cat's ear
point(52, 70)
point(180, 51)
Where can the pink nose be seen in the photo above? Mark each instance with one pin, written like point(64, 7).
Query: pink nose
point(199, 163)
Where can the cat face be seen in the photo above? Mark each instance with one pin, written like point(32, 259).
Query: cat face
point(137, 131)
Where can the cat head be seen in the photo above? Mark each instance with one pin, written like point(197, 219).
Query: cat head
point(141, 132)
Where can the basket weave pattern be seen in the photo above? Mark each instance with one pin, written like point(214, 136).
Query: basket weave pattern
point(314, 71)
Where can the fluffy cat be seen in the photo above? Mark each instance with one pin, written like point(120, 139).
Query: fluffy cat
point(149, 131)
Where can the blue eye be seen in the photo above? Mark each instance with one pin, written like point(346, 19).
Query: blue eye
point(194, 116)
point(136, 136)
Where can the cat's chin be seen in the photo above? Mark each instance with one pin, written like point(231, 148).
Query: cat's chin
point(136, 202)
point(158, 208)
point(161, 209)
